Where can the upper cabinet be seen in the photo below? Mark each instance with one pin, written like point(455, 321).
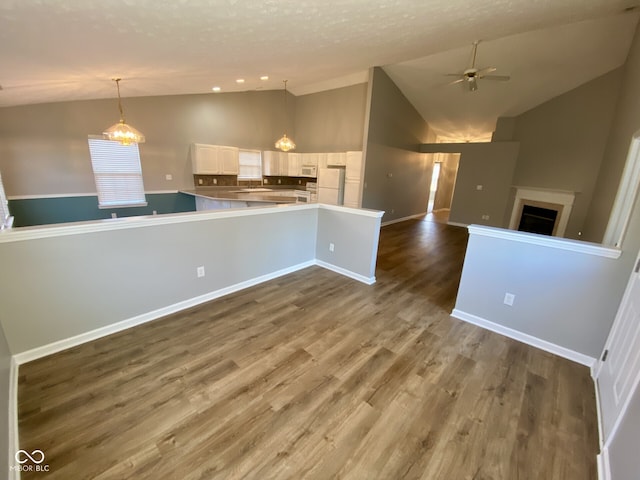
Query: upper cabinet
point(229, 159)
point(337, 159)
point(353, 169)
point(295, 162)
point(214, 159)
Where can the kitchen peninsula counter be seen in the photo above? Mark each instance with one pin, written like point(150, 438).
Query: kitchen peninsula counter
point(223, 198)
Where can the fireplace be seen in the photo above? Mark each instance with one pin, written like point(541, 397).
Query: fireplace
point(542, 211)
point(538, 220)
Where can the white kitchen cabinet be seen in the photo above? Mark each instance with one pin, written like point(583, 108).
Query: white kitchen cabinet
point(284, 163)
point(336, 159)
point(353, 166)
point(204, 159)
point(352, 193)
point(322, 160)
point(271, 163)
point(294, 163)
point(228, 160)
point(214, 159)
point(310, 159)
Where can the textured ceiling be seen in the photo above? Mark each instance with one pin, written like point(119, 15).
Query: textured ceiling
point(57, 50)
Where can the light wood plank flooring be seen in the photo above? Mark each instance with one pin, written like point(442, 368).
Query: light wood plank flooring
point(316, 376)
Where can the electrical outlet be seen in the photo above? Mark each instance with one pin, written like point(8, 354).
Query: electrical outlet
point(200, 272)
point(279, 181)
point(200, 181)
point(478, 187)
point(155, 212)
point(215, 181)
point(168, 176)
point(332, 247)
point(485, 217)
point(114, 215)
point(266, 181)
point(509, 298)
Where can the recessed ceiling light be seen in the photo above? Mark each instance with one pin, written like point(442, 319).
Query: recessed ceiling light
point(264, 77)
point(216, 89)
point(240, 80)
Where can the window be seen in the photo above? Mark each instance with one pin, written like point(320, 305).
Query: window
point(250, 164)
point(5, 221)
point(117, 172)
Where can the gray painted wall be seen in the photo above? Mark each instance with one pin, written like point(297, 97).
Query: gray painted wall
point(623, 451)
point(86, 281)
point(331, 121)
point(561, 296)
point(562, 142)
point(43, 148)
point(5, 365)
point(488, 164)
point(396, 174)
point(626, 123)
point(352, 238)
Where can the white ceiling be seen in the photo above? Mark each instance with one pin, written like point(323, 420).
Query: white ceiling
point(58, 50)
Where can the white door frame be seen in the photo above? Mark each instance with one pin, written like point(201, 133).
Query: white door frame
point(626, 196)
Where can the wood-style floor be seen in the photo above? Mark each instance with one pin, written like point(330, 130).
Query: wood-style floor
point(314, 375)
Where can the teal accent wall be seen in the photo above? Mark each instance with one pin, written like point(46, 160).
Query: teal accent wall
point(44, 211)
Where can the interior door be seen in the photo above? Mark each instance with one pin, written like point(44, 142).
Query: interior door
point(619, 369)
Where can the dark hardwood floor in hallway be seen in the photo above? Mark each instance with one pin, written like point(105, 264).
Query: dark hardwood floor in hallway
point(314, 375)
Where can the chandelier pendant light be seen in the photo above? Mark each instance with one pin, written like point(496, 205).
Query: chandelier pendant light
point(121, 132)
point(285, 143)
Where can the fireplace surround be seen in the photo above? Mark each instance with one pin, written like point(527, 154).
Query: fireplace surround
point(533, 210)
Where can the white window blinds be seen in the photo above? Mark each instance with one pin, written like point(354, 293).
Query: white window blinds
point(4, 206)
point(250, 165)
point(118, 174)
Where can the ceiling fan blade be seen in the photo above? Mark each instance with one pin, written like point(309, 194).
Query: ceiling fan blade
point(460, 80)
point(500, 78)
point(484, 71)
point(461, 74)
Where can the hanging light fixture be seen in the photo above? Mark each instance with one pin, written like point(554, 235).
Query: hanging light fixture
point(121, 132)
point(285, 143)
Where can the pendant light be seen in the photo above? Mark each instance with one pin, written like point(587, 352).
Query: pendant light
point(121, 132)
point(285, 143)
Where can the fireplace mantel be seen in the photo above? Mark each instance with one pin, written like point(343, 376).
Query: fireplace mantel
point(561, 200)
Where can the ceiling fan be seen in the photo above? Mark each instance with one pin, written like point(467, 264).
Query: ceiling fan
point(472, 74)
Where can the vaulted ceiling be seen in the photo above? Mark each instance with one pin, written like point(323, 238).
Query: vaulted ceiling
point(59, 50)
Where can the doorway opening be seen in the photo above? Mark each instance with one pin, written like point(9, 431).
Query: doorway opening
point(442, 185)
point(433, 188)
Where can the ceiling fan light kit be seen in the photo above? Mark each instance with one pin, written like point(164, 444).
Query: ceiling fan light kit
point(472, 74)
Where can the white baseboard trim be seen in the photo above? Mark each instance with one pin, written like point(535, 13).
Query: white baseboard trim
point(598, 412)
point(60, 345)
point(346, 273)
point(604, 468)
point(403, 219)
point(14, 441)
point(525, 338)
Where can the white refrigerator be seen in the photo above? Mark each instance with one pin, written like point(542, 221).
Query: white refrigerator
point(331, 186)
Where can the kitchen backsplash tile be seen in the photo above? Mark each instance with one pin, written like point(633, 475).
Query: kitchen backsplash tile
point(220, 180)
